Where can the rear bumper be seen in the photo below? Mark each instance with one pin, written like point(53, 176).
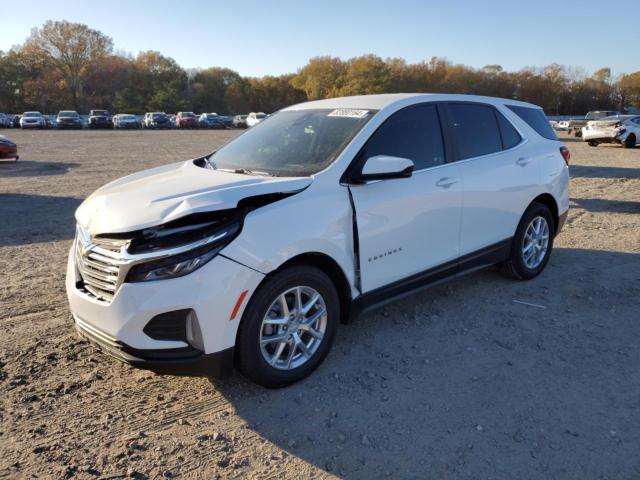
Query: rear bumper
point(187, 361)
point(562, 218)
point(602, 135)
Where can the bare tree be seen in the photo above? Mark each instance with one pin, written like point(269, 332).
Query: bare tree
point(69, 48)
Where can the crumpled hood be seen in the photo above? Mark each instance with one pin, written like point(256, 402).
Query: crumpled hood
point(156, 196)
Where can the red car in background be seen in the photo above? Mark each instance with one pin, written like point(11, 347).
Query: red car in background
point(8, 149)
point(186, 120)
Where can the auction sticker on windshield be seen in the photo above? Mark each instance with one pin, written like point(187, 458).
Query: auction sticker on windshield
point(348, 112)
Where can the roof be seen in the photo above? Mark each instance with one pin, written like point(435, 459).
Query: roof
point(378, 102)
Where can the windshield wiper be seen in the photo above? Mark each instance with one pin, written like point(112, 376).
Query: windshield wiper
point(245, 171)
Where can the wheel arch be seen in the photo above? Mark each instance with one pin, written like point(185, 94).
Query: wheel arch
point(547, 200)
point(328, 266)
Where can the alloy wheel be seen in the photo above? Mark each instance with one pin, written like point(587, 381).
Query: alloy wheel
point(535, 243)
point(293, 328)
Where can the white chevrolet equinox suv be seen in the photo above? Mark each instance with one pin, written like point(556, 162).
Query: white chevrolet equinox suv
point(252, 255)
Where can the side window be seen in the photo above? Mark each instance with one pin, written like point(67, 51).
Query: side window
point(412, 133)
point(636, 120)
point(475, 130)
point(535, 119)
point(510, 136)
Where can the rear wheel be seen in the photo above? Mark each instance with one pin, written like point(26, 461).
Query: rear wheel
point(532, 243)
point(288, 327)
point(593, 144)
point(630, 141)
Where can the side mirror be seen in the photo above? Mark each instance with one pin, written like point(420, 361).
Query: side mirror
point(382, 167)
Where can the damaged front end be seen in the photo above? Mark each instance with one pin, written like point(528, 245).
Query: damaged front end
point(174, 249)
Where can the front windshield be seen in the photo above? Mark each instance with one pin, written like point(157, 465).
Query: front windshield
point(68, 114)
point(32, 114)
point(293, 142)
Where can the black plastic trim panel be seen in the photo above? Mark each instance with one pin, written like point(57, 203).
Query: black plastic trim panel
point(493, 254)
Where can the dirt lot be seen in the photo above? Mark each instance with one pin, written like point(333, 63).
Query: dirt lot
point(457, 382)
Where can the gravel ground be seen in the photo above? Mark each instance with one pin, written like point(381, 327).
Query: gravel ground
point(459, 381)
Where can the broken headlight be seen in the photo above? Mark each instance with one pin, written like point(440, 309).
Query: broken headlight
point(178, 249)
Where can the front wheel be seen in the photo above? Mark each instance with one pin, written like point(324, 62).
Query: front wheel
point(288, 327)
point(593, 143)
point(532, 243)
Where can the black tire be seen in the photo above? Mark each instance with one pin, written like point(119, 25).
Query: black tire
point(515, 265)
point(250, 360)
point(630, 141)
point(593, 143)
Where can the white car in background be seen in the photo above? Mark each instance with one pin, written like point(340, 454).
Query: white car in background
point(562, 126)
point(255, 118)
point(621, 129)
point(255, 253)
point(32, 120)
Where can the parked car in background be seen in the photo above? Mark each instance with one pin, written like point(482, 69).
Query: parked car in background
point(156, 120)
point(575, 124)
point(211, 120)
point(126, 121)
point(32, 120)
point(172, 120)
point(186, 120)
point(622, 129)
point(68, 119)
point(100, 119)
point(562, 125)
point(255, 118)
point(16, 121)
point(8, 149)
point(180, 269)
point(240, 121)
point(5, 120)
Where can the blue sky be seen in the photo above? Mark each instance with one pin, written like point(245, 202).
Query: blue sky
point(259, 37)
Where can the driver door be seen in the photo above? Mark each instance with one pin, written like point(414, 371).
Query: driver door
point(407, 226)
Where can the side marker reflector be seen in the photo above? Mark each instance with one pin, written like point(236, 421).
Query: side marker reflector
point(238, 303)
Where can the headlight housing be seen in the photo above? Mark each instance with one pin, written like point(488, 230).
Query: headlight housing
point(181, 247)
point(174, 266)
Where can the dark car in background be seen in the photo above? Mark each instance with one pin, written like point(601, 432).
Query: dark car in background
point(211, 120)
point(16, 121)
point(240, 121)
point(8, 149)
point(186, 120)
point(68, 119)
point(100, 119)
point(156, 120)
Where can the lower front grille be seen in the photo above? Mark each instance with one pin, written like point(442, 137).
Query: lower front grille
point(99, 267)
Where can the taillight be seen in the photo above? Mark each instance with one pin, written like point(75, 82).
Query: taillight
point(566, 154)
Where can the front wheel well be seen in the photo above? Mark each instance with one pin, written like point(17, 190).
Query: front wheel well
point(547, 200)
point(331, 268)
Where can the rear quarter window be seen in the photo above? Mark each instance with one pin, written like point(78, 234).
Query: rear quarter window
point(535, 118)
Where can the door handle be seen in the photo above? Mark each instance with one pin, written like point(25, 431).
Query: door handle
point(522, 161)
point(446, 182)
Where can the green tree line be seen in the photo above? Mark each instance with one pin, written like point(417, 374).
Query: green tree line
point(64, 65)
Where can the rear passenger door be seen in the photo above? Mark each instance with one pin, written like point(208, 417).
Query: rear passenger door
point(408, 225)
point(499, 177)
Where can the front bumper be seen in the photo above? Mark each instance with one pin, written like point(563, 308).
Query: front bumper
point(211, 292)
point(178, 361)
point(9, 152)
